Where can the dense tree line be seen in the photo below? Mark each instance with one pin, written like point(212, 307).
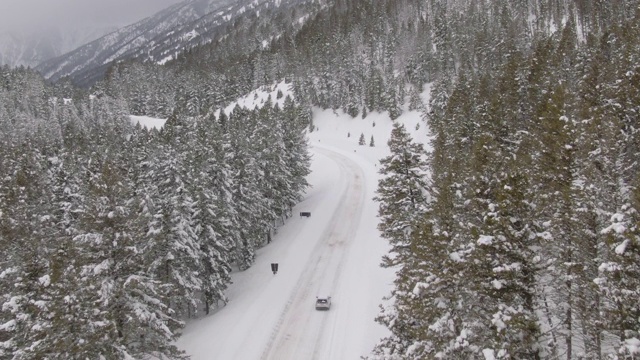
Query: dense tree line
point(527, 245)
point(355, 55)
point(112, 235)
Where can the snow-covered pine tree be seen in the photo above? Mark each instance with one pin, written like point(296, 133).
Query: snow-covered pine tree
point(126, 305)
point(67, 204)
point(425, 317)
point(248, 201)
point(297, 158)
point(554, 176)
point(594, 199)
point(401, 192)
point(25, 268)
point(503, 266)
point(214, 219)
point(619, 271)
point(277, 178)
point(178, 261)
point(361, 140)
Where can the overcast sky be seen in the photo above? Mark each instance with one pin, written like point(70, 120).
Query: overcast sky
point(18, 14)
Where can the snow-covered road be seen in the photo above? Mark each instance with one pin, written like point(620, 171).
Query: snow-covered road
point(330, 253)
point(304, 333)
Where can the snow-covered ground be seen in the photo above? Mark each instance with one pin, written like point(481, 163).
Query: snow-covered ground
point(336, 251)
point(147, 121)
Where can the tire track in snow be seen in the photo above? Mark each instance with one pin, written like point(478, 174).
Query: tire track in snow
point(301, 331)
point(357, 192)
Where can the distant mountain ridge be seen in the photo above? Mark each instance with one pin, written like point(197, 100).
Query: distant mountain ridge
point(158, 38)
point(21, 48)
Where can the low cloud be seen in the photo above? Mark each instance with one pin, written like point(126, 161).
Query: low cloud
point(34, 14)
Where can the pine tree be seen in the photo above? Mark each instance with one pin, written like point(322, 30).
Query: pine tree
point(297, 155)
point(248, 202)
point(178, 258)
point(213, 217)
point(594, 205)
point(425, 317)
point(25, 276)
point(118, 288)
point(502, 228)
point(401, 192)
point(618, 271)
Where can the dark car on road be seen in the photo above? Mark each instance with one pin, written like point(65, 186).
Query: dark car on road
point(323, 303)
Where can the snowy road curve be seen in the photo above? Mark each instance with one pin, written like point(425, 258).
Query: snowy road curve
point(334, 252)
point(305, 333)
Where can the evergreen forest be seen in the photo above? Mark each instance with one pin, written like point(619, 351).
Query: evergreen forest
point(517, 236)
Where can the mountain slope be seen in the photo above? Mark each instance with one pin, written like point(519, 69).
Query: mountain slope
point(159, 38)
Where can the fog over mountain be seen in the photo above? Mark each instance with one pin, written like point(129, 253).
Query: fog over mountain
point(32, 31)
point(170, 32)
point(21, 14)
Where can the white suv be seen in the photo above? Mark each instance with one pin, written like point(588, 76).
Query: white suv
point(323, 303)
